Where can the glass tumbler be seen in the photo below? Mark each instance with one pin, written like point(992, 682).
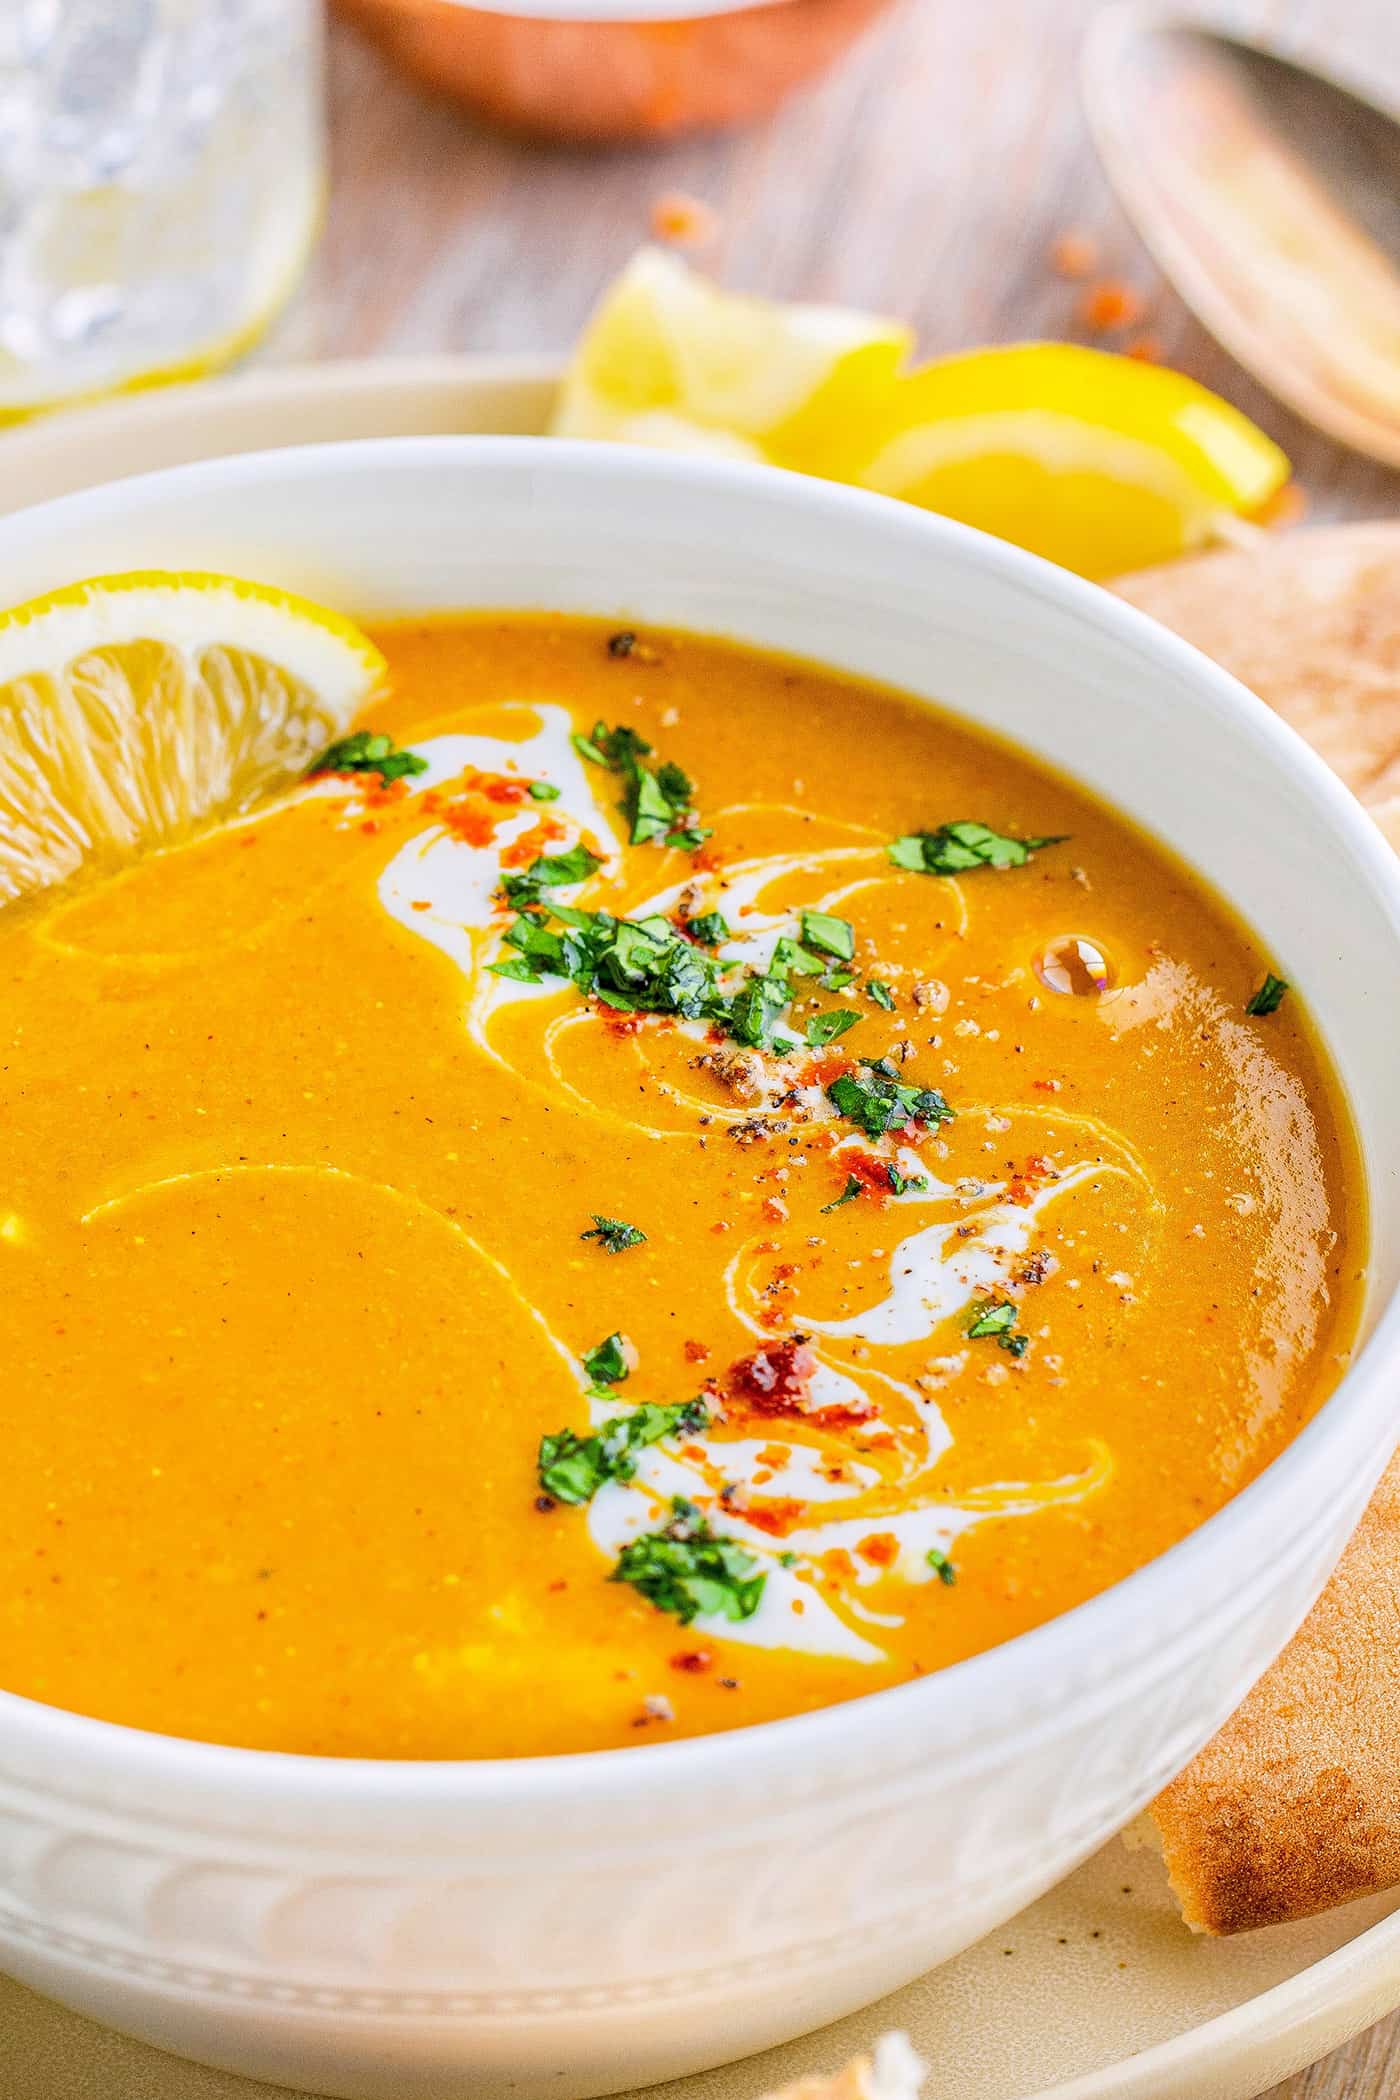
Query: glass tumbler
point(161, 177)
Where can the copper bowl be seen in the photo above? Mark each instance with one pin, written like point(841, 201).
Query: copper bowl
point(614, 81)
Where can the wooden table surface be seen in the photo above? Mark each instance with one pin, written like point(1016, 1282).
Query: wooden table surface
point(927, 177)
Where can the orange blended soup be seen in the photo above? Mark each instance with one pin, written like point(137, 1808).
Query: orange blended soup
point(662, 1188)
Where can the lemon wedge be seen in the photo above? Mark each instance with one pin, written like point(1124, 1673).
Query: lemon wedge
point(135, 708)
point(671, 361)
point(1102, 463)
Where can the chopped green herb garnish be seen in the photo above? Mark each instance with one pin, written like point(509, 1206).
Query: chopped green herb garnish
point(824, 1028)
point(877, 1100)
point(685, 1569)
point(573, 1468)
point(370, 751)
point(615, 748)
point(837, 980)
point(516, 968)
point(942, 1567)
point(550, 871)
point(614, 1235)
point(955, 848)
point(828, 935)
point(905, 1184)
point(709, 929)
point(646, 966)
point(847, 1195)
point(543, 791)
point(607, 1364)
point(880, 992)
point(996, 1321)
point(1269, 997)
point(656, 804)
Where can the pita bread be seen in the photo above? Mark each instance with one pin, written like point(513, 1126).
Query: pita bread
point(1312, 624)
point(1295, 1806)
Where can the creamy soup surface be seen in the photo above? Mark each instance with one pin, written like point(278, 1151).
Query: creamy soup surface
point(416, 1344)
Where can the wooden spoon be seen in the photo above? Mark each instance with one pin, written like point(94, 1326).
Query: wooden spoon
point(1270, 196)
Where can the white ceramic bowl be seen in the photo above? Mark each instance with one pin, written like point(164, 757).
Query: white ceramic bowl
point(568, 1926)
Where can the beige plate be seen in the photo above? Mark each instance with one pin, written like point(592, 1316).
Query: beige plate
point(1097, 1992)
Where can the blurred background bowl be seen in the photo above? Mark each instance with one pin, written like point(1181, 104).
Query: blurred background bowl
point(628, 72)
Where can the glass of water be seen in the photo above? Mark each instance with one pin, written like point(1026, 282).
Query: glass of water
point(160, 186)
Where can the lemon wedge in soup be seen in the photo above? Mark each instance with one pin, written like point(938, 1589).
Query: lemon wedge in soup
point(134, 709)
point(669, 360)
point(1102, 463)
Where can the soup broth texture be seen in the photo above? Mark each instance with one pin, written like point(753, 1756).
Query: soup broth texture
point(704, 1190)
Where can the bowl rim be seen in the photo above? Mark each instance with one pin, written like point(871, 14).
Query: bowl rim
point(1357, 1417)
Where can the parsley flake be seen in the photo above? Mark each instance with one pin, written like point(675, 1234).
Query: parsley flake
point(942, 1567)
point(573, 1468)
point(687, 1570)
point(614, 1235)
point(955, 848)
point(877, 1100)
point(657, 803)
point(709, 929)
point(543, 791)
point(824, 1028)
point(1269, 997)
point(370, 751)
point(879, 991)
point(847, 1195)
point(995, 1320)
point(607, 1364)
point(550, 871)
point(828, 935)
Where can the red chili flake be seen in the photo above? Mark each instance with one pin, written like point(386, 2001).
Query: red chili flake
point(421, 904)
point(872, 1172)
point(777, 1380)
point(249, 839)
point(832, 1065)
point(693, 1661)
point(616, 1023)
point(520, 852)
point(778, 1515)
point(881, 1549)
point(696, 1352)
point(774, 1209)
point(1147, 349)
point(1023, 1186)
point(469, 823)
point(1046, 1086)
point(500, 787)
point(380, 792)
